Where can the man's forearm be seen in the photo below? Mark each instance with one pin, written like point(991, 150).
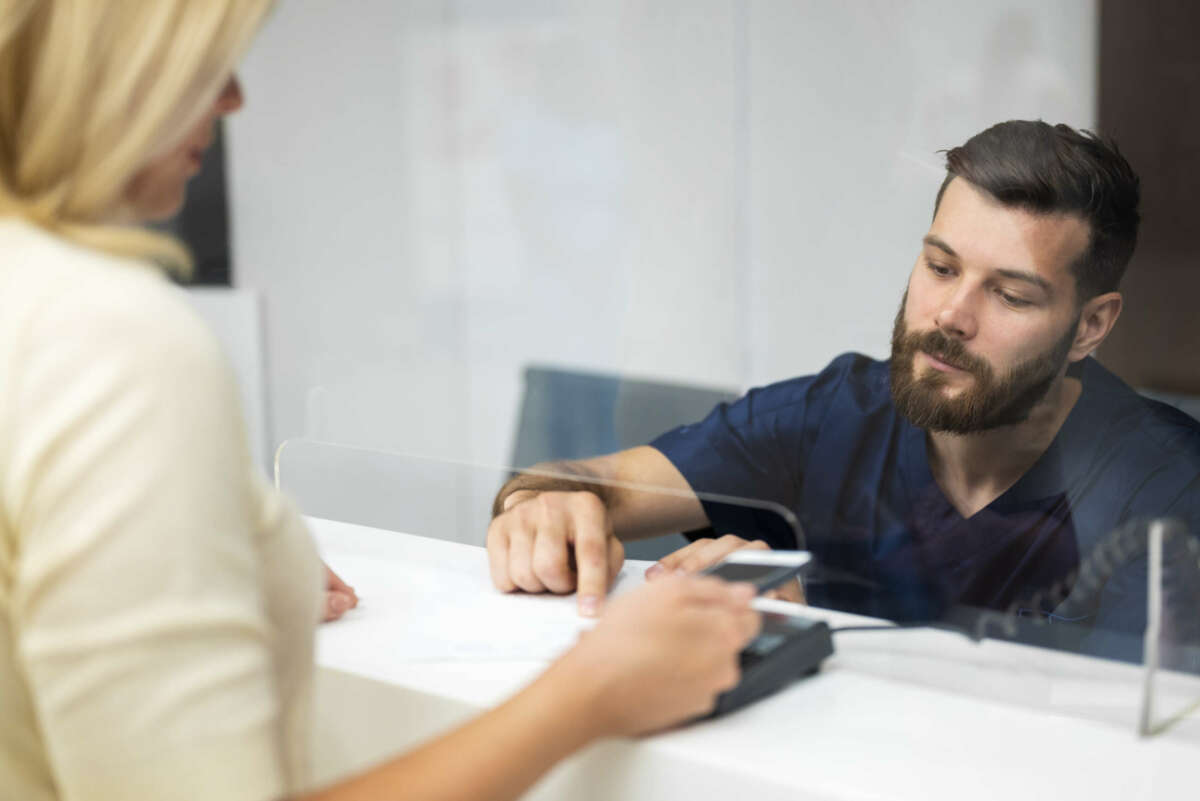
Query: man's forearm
point(552, 477)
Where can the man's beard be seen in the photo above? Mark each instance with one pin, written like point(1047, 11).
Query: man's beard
point(989, 403)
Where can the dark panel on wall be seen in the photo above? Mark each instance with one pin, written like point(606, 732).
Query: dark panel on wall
point(1150, 102)
point(203, 223)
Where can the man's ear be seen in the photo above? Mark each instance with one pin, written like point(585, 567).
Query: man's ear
point(1098, 317)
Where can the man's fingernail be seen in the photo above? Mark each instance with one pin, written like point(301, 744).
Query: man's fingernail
point(654, 570)
point(589, 605)
point(340, 603)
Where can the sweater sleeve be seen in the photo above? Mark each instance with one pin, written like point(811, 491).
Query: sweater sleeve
point(138, 614)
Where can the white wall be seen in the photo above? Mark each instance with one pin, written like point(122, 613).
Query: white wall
point(235, 316)
point(431, 194)
point(849, 104)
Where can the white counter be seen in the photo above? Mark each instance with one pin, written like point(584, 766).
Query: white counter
point(911, 714)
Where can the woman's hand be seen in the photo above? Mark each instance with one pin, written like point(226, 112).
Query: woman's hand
point(661, 654)
point(339, 596)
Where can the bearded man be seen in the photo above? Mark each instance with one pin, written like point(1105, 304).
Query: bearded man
point(979, 468)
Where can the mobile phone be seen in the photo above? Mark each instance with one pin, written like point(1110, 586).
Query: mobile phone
point(764, 569)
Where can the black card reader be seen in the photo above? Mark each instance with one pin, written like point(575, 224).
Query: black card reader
point(788, 647)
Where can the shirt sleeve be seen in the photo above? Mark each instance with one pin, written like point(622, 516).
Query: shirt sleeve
point(138, 612)
point(753, 452)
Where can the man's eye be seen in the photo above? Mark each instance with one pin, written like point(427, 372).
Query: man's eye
point(940, 269)
point(1014, 301)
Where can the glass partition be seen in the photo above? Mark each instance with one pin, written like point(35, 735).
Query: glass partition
point(1171, 692)
point(1055, 644)
point(390, 491)
point(375, 514)
point(1077, 561)
point(452, 500)
point(575, 277)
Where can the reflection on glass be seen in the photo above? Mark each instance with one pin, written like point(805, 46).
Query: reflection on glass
point(992, 475)
point(384, 492)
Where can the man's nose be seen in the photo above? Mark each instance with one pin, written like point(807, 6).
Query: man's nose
point(231, 98)
point(957, 316)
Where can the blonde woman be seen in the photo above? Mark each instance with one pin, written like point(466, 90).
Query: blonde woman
point(157, 602)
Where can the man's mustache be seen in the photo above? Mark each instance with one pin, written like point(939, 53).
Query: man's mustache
point(951, 351)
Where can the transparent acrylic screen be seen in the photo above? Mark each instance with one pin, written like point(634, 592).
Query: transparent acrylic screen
point(396, 494)
point(609, 253)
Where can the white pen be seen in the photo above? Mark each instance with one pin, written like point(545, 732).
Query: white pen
point(773, 606)
point(758, 604)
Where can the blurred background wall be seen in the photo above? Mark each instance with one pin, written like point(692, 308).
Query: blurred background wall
point(429, 195)
point(1150, 101)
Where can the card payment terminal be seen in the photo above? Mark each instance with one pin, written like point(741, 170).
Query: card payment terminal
point(787, 648)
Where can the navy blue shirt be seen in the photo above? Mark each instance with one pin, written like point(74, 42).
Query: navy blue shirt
point(833, 449)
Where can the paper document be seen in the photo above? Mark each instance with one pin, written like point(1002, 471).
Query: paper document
point(417, 612)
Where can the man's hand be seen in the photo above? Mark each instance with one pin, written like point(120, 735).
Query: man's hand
point(555, 542)
point(704, 553)
point(339, 596)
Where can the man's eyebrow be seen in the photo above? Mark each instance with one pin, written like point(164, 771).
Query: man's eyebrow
point(1031, 278)
point(939, 243)
point(1015, 275)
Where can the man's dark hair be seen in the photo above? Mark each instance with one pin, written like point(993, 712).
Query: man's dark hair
point(1043, 169)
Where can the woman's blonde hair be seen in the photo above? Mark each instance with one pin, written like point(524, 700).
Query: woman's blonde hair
point(91, 90)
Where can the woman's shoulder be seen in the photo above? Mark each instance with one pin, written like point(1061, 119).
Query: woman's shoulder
point(57, 290)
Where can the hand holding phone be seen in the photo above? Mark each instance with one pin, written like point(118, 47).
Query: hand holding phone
point(789, 645)
point(764, 569)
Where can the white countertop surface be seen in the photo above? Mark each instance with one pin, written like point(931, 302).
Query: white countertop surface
point(911, 714)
